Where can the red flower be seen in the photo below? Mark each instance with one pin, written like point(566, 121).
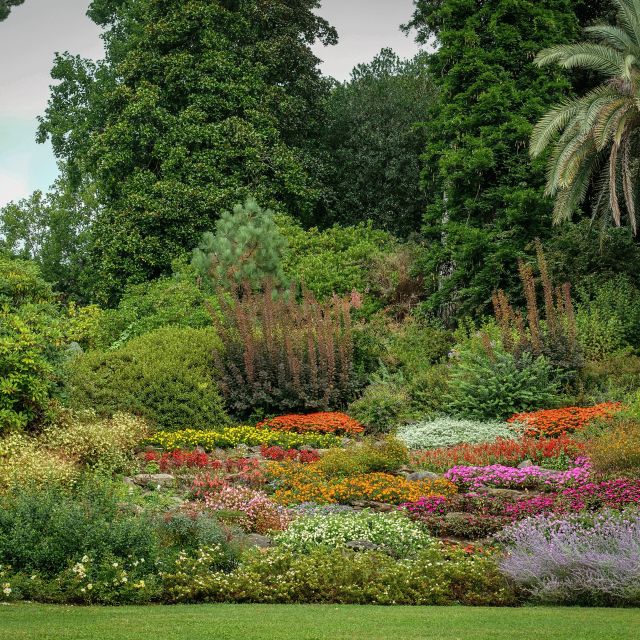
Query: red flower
point(322, 422)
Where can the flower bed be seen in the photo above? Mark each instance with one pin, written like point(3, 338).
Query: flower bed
point(307, 483)
point(261, 514)
point(505, 452)
point(556, 422)
point(321, 422)
point(278, 453)
point(512, 478)
point(576, 560)
point(234, 436)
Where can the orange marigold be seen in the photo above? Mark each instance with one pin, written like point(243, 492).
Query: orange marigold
point(556, 422)
point(321, 422)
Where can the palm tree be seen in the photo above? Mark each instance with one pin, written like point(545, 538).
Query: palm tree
point(597, 136)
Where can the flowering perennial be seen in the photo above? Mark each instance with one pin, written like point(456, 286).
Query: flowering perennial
point(555, 422)
point(498, 475)
point(278, 454)
point(502, 451)
point(322, 422)
point(576, 560)
point(261, 514)
point(234, 436)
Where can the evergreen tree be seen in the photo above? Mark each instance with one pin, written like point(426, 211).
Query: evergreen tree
point(247, 248)
point(197, 105)
point(486, 200)
point(373, 144)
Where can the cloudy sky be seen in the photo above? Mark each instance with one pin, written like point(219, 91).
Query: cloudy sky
point(39, 28)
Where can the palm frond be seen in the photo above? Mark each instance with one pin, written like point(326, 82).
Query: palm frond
point(583, 55)
point(614, 37)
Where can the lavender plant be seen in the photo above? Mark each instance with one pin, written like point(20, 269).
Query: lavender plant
point(579, 559)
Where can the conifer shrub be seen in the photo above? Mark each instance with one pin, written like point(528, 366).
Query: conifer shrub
point(165, 376)
point(281, 355)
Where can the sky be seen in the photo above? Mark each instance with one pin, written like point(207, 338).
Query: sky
point(38, 29)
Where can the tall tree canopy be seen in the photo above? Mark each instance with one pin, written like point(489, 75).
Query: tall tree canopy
point(597, 135)
point(5, 7)
point(373, 144)
point(486, 200)
point(197, 105)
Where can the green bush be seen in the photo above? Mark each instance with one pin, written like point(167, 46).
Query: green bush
point(487, 386)
point(337, 260)
point(382, 407)
point(175, 301)
point(32, 339)
point(613, 377)
point(339, 576)
point(369, 456)
point(43, 531)
point(599, 334)
point(165, 376)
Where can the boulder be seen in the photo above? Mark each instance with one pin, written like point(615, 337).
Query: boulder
point(416, 476)
point(361, 545)
point(154, 480)
point(256, 540)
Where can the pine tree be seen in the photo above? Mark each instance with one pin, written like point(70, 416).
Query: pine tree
point(246, 249)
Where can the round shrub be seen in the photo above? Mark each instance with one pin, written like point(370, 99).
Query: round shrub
point(394, 532)
point(445, 432)
point(382, 407)
point(165, 376)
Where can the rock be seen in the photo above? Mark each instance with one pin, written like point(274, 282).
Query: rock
point(382, 507)
point(154, 480)
point(256, 540)
point(361, 545)
point(525, 463)
point(256, 449)
point(422, 475)
point(129, 482)
point(321, 452)
point(152, 449)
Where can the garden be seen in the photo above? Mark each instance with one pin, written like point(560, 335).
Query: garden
point(270, 411)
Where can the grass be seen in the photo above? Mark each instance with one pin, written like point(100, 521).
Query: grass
point(314, 622)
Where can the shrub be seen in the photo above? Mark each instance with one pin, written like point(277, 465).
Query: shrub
point(617, 449)
point(613, 377)
point(107, 443)
point(556, 422)
point(32, 338)
point(282, 355)
point(165, 376)
point(401, 537)
point(370, 456)
point(339, 576)
point(24, 463)
point(575, 560)
point(323, 422)
point(173, 301)
point(43, 531)
point(382, 407)
point(234, 436)
point(337, 260)
point(443, 432)
point(261, 515)
point(488, 386)
point(545, 452)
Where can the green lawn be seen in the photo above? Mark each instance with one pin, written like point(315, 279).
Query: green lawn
point(273, 622)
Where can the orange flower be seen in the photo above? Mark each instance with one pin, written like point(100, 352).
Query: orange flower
point(321, 422)
point(556, 422)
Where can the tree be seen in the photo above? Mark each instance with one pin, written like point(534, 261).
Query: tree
point(373, 144)
point(485, 195)
point(197, 105)
point(5, 7)
point(247, 248)
point(52, 231)
point(596, 136)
